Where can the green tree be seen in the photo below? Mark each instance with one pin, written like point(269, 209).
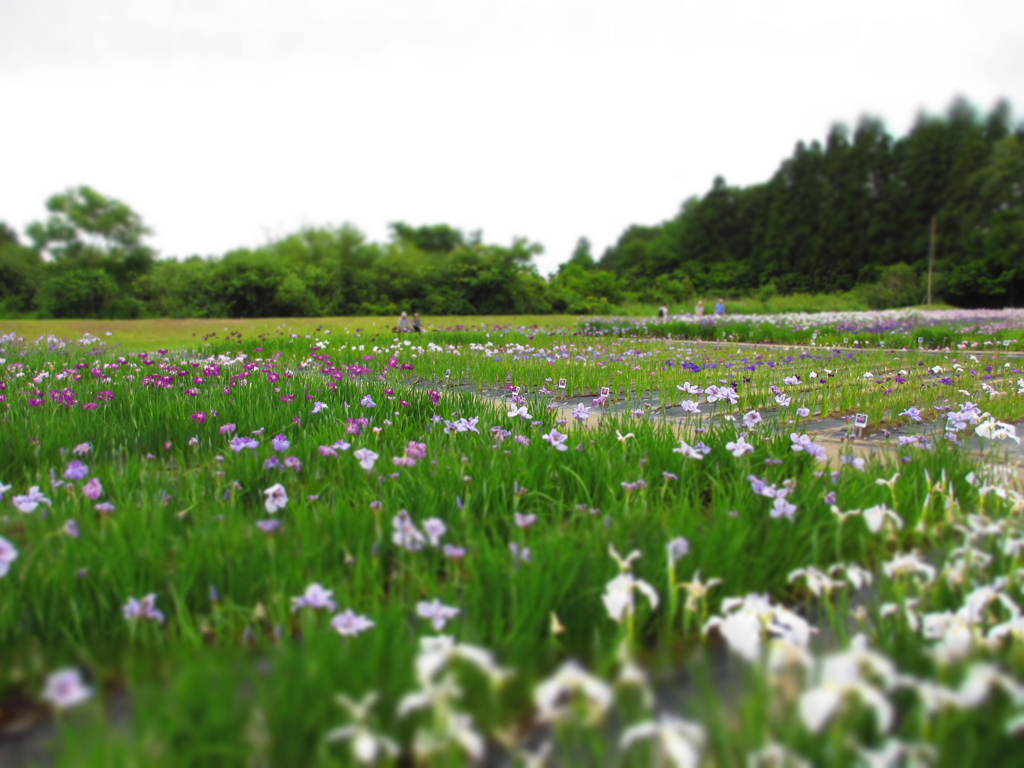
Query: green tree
point(88, 230)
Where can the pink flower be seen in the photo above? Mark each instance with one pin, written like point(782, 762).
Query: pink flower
point(8, 554)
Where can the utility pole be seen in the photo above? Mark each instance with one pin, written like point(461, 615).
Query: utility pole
point(931, 256)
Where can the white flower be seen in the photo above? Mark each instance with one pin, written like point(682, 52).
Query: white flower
point(520, 412)
point(368, 746)
point(744, 620)
point(996, 430)
point(876, 516)
point(572, 684)
point(277, 498)
point(907, 564)
point(845, 674)
point(680, 741)
point(618, 595)
point(437, 652)
point(65, 689)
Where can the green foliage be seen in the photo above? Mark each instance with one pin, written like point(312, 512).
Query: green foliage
point(77, 292)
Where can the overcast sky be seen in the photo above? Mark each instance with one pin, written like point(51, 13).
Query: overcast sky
point(225, 123)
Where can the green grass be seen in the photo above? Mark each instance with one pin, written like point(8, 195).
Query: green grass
point(234, 676)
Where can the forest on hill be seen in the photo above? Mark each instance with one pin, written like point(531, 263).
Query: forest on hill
point(861, 212)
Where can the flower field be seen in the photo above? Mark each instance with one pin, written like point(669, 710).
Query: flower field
point(514, 546)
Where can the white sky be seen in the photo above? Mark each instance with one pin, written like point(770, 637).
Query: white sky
point(228, 122)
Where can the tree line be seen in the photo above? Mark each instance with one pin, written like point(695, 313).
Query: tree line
point(862, 212)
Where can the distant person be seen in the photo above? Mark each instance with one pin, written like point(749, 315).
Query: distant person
point(403, 323)
point(720, 307)
point(663, 313)
point(417, 323)
point(699, 311)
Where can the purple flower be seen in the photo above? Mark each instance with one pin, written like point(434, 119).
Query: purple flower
point(269, 526)
point(804, 443)
point(781, 507)
point(416, 450)
point(462, 425)
point(144, 609)
point(76, 470)
point(556, 439)
point(678, 548)
point(525, 521)
point(281, 443)
point(453, 552)
point(272, 462)
point(200, 416)
point(406, 535)
point(436, 612)
point(913, 413)
point(318, 406)
point(293, 462)
point(524, 440)
point(349, 623)
point(581, 412)
point(367, 402)
point(366, 458)
point(802, 412)
point(71, 529)
point(228, 429)
point(690, 451)
point(277, 498)
point(28, 502)
point(520, 554)
point(239, 444)
point(105, 508)
point(315, 596)
point(81, 449)
point(740, 447)
point(93, 489)
point(434, 528)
